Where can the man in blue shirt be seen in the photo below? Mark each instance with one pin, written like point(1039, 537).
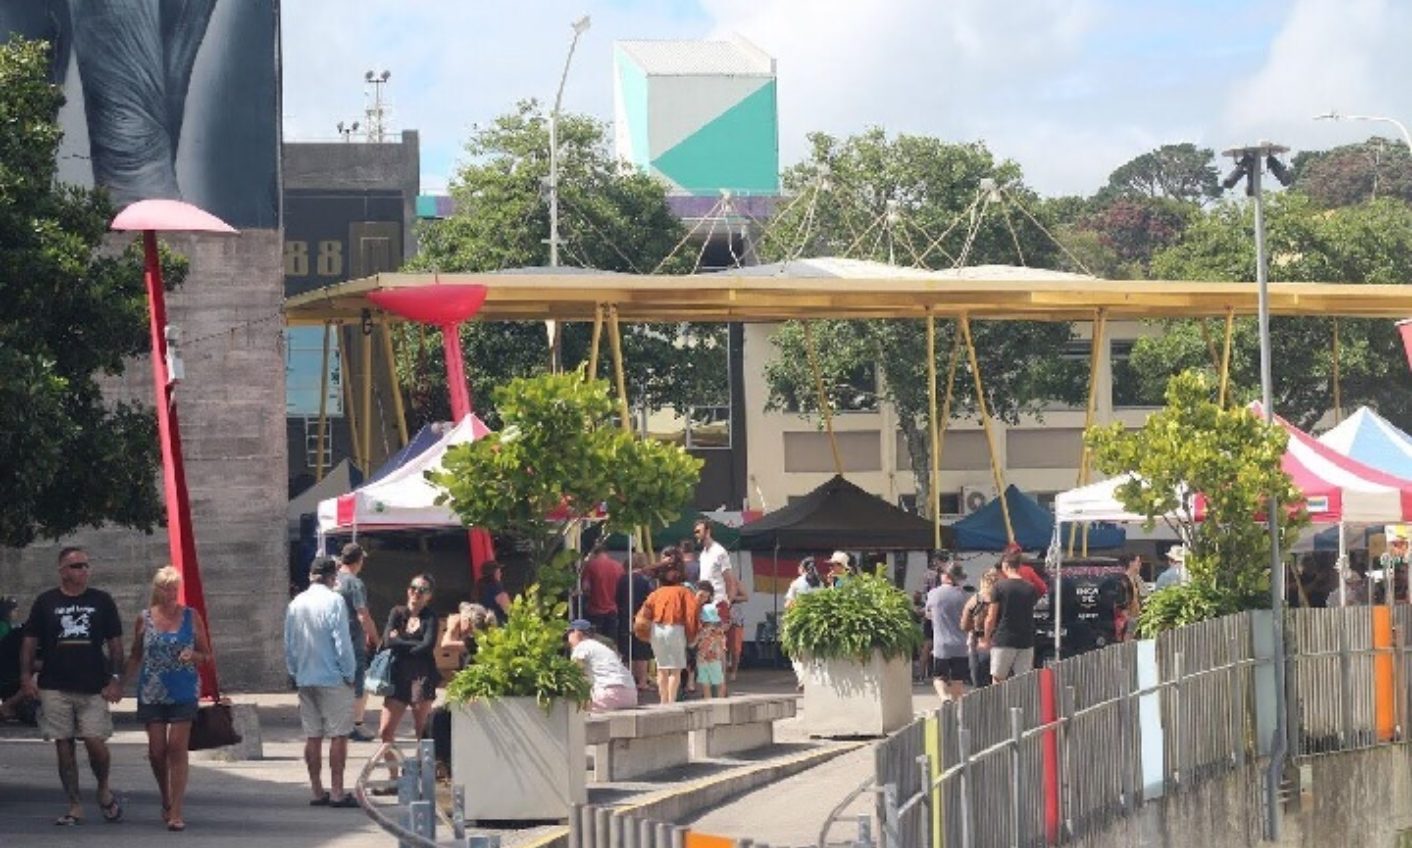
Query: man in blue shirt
point(318, 652)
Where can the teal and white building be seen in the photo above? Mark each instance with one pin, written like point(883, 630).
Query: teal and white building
point(701, 115)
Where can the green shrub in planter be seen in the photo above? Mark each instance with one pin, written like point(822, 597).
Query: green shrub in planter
point(865, 614)
point(525, 657)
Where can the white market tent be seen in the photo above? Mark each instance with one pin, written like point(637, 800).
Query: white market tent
point(403, 498)
point(1095, 502)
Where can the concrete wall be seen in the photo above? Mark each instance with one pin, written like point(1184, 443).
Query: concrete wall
point(231, 408)
point(1361, 798)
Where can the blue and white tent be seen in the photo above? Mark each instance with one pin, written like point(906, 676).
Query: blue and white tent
point(1370, 439)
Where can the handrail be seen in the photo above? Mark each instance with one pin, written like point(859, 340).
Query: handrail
point(374, 811)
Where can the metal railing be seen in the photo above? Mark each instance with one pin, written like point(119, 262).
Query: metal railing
point(592, 826)
point(1205, 691)
point(413, 818)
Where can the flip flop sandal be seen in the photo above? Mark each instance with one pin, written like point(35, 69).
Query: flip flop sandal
point(67, 820)
point(176, 825)
point(112, 811)
point(321, 801)
point(346, 802)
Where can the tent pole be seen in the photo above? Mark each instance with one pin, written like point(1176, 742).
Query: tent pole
point(1055, 544)
point(1100, 323)
point(390, 354)
point(932, 503)
point(615, 342)
point(1338, 399)
point(824, 409)
point(597, 339)
point(1342, 564)
point(349, 409)
point(323, 408)
point(945, 418)
point(366, 378)
point(1226, 356)
point(996, 471)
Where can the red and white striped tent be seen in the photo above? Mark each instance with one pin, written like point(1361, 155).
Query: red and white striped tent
point(1338, 489)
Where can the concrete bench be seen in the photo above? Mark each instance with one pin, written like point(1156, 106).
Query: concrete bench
point(632, 743)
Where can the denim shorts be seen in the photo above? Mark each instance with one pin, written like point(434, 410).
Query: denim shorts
point(166, 713)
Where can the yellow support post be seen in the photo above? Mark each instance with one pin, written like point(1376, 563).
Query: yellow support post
point(933, 501)
point(996, 471)
point(1226, 356)
point(615, 339)
point(1100, 323)
point(597, 338)
point(345, 377)
point(824, 409)
point(945, 418)
point(323, 408)
point(366, 378)
point(1338, 393)
point(390, 354)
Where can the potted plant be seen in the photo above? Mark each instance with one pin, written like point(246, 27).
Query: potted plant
point(855, 643)
point(517, 738)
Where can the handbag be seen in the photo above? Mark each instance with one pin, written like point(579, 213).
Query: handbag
point(213, 727)
point(642, 625)
point(377, 680)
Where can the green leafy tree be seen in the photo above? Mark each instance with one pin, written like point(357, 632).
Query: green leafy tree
point(890, 199)
point(68, 315)
point(523, 658)
point(561, 454)
point(612, 218)
point(1232, 459)
point(1355, 173)
point(1367, 243)
point(1181, 172)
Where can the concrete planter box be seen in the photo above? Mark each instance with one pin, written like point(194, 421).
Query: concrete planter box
point(852, 698)
point(518, 761)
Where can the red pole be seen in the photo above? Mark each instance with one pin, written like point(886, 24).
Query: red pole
point(181, 542)
point(1049, 713)
point(481, 547)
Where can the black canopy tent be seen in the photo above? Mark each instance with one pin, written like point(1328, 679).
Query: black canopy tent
point(838, 514)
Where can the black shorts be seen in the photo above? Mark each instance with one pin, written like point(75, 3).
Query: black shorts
point(166, 713)
point(953, 669)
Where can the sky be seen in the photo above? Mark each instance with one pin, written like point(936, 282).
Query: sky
point(1069, 89)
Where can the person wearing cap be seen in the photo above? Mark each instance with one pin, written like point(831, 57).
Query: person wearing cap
point(950, 645)
point(1014, 553)
point(362, 630)
point(840, 568)
point(1176, 567)
point(611, 686)
point(318, 654)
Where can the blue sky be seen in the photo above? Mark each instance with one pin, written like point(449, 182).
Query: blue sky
point(1070, 89)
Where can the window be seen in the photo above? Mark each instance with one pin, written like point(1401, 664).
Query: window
point(1128, 390)
point(708, 427)
point(303, 351)
point(311, 443)
point(950, 502)
point(809, 451)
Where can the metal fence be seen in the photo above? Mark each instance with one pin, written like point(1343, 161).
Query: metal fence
point(593, 826)
point(1068, 750)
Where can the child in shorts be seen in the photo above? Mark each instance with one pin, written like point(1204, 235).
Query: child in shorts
point(710, 651)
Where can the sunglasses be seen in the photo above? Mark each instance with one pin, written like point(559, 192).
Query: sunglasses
point(419, 589)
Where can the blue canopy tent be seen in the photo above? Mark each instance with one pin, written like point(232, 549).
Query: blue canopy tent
point(984, 529)
point(1373, 441)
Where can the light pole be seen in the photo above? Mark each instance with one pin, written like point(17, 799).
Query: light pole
point(1331, 115)
point(1250, 164)
point(579, 26)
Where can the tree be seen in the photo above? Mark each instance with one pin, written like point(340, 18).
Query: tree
point(1369, 243)
point(875, 197)
point(68, 314)
point(560, 454)
point(1136, 228)
point(612, 218)
point(1231, 459)
point(1354, 173)
point(1181, 172)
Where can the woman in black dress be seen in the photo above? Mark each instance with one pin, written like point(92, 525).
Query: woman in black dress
point(411, 635)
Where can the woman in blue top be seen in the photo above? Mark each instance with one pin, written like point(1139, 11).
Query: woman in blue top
point(168, 644)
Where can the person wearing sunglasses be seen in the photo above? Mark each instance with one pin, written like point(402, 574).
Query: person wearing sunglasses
point(74, 626)
point(411, 635)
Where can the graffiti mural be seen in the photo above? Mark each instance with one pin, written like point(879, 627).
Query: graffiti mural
point(167, 98)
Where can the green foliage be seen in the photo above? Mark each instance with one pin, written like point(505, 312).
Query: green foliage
point(1368, 243)
point(612, 217)
point(1187, 603)
point(524, 657)
point(67, 315)
point(1182, 172)
point(844, 188)
point(867, 613)
point(1232, 458)
point(1355, 173)
point(559, 449)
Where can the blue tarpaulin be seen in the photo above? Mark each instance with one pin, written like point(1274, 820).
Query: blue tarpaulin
point(984, 529)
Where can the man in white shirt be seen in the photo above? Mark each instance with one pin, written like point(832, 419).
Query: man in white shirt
point(726, 588)
point(611, 684)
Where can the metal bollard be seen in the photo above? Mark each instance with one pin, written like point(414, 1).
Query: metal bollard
point(663, 835)
point(646, 834)
point(865, 831)
point(678, 837)
point(588, 832)
point(575, 825)
point(409, 783)
point(458, 811)
point(601, 816)
point(426, 762)
point(423, 818)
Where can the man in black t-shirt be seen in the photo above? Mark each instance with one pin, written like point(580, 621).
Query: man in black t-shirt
point(1009, 627)
point(70, 627)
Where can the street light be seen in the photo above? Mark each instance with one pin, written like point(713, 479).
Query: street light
point(1331, 115)
point(1250, 164)
point(579, 27)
